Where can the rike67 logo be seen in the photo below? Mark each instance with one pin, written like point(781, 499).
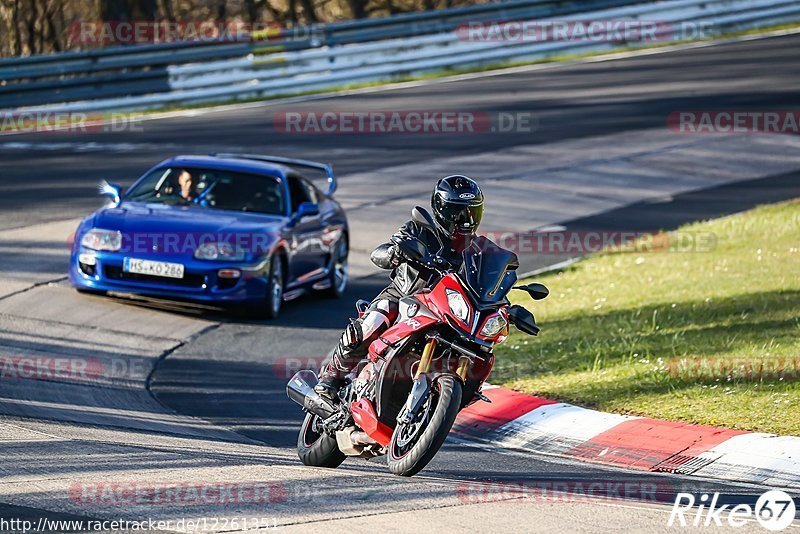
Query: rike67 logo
point(774, 510)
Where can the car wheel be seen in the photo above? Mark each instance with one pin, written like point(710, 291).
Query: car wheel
point(274, 288)
point(338, 276)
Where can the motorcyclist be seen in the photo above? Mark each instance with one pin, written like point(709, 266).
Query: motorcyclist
point(457, 205)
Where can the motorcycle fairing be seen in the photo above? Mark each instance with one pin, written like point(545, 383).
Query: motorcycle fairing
point(400, 331)
point(378, 348)
point(389, 374)
point(365, 417)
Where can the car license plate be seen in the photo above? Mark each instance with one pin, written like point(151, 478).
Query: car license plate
point(153, 268)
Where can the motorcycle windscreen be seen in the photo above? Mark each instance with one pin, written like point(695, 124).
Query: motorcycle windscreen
point(488, 270)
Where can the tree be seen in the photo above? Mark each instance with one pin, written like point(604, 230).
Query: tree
point(41, 26)
point(309, 11)
point(358, 8)
point(112, 10)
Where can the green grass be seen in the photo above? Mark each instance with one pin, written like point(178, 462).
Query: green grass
point(701, 337)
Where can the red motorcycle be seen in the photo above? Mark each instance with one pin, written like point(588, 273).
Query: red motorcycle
point(403, 398)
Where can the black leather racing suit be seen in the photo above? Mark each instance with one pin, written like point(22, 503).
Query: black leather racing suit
point(406, 279)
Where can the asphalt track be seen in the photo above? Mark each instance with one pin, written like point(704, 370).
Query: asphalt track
point(230, 373)
point(571, 102)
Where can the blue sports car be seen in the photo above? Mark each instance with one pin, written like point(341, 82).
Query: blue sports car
point(222, 229)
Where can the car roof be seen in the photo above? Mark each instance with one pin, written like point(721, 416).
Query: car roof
point(230, 164)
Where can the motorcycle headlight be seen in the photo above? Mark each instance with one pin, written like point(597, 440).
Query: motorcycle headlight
point(458, 306)
point(219, 251)
point(96, 239)
point(494, 325)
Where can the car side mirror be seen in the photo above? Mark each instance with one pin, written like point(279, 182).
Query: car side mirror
point(112, 191)
point(523, 319)
point(535, 290)
point(306, 209)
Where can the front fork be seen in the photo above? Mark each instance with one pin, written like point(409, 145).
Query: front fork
point(421, 387)
point(427, 358)
point(463, 368)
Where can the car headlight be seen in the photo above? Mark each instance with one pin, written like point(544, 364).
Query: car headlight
point(458, 306)
point(219, 251)
point(494, 325)
point(96, 239)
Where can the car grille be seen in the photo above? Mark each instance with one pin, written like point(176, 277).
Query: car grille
point(113, 272)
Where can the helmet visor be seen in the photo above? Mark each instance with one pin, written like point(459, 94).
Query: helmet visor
point(461, 217)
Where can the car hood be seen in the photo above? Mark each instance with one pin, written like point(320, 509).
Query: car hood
point(143, 225)
point(137, 217)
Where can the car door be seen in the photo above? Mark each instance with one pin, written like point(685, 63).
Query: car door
point(306, 240)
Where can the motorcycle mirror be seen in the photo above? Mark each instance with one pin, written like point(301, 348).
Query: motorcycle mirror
point(523, 319)
point(421, 215)
point(535, 290)
point(413, 249)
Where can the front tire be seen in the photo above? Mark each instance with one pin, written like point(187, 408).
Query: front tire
point(407, 459)
point(317, 449)
point(270, 307)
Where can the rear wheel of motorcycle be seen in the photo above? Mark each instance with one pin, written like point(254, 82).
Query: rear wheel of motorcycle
point(317, 449)
point(409, 460)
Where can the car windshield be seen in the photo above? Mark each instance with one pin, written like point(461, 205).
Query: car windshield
point(210, 188)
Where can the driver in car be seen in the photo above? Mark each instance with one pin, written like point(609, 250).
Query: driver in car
point(457, 204)
point(186, 183)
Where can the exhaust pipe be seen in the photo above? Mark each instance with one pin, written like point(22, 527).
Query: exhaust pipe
point(301, 390)
point(360, 437)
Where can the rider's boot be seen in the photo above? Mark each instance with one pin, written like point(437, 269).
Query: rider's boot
point(354, 345)
point(350, 350)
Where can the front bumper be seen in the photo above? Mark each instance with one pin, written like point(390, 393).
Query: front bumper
point(201, 281)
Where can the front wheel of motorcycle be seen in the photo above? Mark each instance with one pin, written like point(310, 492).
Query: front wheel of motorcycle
point(414, 445)
point(316, 448)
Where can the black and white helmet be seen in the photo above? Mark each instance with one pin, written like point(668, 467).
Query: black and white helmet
point(457, 204)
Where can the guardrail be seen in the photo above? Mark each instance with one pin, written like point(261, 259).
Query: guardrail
point(133, 70)
point(251, 75)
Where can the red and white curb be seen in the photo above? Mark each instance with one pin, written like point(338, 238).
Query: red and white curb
point(524, 422)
